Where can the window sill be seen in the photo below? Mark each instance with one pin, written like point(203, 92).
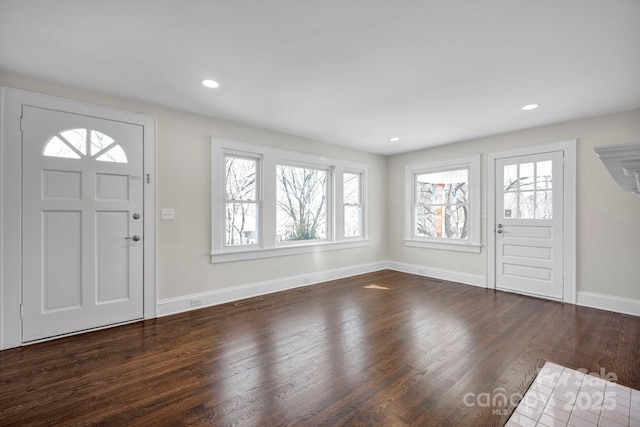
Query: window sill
point(247, 254)
point(446, 246)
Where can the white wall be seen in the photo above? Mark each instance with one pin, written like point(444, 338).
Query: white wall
point(183, 183)
point(608, 220)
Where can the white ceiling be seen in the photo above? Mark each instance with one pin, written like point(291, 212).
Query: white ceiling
point(348, 72)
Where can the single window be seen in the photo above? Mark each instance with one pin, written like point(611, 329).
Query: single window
point(73, 143)
point(443, 209)
point(352, 200)
point(442, 204)
point(241, 201)
point(301, 203)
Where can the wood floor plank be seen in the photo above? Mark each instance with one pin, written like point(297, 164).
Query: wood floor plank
point(380, 349)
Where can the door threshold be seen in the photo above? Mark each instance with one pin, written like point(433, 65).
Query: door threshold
point(518, 292)
point(83, 331)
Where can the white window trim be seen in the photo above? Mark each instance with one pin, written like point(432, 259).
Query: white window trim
point(269, 159)
point(472, 243)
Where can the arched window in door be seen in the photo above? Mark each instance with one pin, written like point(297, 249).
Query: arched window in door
point(82, 143)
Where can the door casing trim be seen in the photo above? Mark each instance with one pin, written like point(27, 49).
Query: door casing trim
point(11, 102)
point(569, 219)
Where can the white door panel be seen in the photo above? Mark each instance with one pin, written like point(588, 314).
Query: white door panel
point(61, 260)
point(522, 250)
point(82, 185)
point(112, 281)
point(529, 218)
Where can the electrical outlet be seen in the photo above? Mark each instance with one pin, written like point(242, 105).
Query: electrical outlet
point(196, 302)
point(168, 214)
point(307, 279)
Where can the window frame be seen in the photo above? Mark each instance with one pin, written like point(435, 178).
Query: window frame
point(472, 243)
point(269, 159)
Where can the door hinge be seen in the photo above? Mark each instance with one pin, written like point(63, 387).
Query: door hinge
point(21, 312)
point(21, 123)
point(148, 178)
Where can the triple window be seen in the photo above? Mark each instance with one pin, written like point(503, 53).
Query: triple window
point(266, 200)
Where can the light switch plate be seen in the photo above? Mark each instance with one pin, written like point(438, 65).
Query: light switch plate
point(168, 214)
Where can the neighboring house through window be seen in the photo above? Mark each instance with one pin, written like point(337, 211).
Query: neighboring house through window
point(443, 205)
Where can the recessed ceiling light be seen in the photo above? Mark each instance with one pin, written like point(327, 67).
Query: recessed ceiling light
point(394, 139)
point(212, 84)
point(530, 107)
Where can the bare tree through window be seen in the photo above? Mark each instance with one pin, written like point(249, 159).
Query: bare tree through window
point(301, 203)
point(72, 144)
point(528, 190)
point(240, 200)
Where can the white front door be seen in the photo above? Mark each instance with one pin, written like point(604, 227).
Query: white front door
point(529, 224)
point(82, 223)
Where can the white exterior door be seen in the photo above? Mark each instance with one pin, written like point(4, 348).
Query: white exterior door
point(82, 223)
point(529, 224)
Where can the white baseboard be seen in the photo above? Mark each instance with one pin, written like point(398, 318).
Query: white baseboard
point(221, 296)
point(609, 303)
point(436, 273)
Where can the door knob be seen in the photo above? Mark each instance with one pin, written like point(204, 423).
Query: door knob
point(135, 238)
point(499, 231)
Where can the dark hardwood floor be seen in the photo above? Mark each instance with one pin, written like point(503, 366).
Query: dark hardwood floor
point(419, 353)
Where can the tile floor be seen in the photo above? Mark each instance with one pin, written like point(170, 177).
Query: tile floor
point(561, 396)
